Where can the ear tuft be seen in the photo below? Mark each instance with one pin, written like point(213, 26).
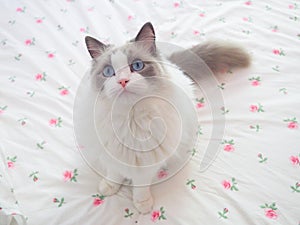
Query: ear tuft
point(94, 46)
point(146, 36)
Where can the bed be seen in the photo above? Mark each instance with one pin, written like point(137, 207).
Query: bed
point(253, 176)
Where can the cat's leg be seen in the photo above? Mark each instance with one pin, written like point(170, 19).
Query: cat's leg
point(142, 199)
point(107, 187)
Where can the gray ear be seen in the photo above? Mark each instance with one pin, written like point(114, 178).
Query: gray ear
point(94, 46)
point(147, 37)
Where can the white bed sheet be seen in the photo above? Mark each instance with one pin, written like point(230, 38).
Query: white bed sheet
point(255, 178)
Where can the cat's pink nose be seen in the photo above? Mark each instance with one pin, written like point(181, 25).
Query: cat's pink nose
point(123, 82)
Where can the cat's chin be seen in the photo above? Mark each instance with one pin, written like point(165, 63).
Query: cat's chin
point(129, 92)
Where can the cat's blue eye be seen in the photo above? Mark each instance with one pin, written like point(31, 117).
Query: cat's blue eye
point(137, 65)
point(108, 71)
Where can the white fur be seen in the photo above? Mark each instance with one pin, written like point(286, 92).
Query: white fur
point(147, 133)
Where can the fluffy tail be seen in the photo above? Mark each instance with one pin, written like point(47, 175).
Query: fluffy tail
point(222, 56)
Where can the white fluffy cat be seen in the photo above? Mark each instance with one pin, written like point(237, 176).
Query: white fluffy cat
point(144, 114)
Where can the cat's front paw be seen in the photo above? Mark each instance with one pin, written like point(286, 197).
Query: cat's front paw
point(108, 188)
point(144, 206)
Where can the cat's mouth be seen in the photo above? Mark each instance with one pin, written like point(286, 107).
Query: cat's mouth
point(125, 91)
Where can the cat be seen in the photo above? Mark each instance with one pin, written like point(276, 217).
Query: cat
point(135, 121)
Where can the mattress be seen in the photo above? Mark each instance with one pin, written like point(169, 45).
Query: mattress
point(253, 173)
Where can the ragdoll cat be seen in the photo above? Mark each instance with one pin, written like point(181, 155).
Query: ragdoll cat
point(129, 129)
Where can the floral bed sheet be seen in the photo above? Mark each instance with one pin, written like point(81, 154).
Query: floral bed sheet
point(255, 178)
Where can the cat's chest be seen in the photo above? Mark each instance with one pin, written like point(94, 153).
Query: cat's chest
point(147, 124)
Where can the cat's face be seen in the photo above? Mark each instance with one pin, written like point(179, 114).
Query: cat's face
point(126, 70)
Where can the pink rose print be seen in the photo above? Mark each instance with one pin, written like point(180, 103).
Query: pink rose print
point(11, 162)
point(155, 215)
point(38, 76)
point(2, 109)
point(296, 187)
point(59, 202)
point(253, 108)
point(228, 145)
point(255, 81)
point(196, 32)
point(91, 9)
point(70, 175)
point(173, 34)
point(41, 76)
point(30, 42)
point(21, 10)
point(63, 90)
point(256, 108)
point(230, 185)
point(261, 158)
point(278, 52)
point(158, 215)
point(270, 210)
point(129, 18)
point(162, 174)
point(224, 110)
point(274, 29)
point(128, 214)
point(84, 30)
point(191, 183)
point(226, 184)
point(248, 3)
point(50, 55)
point(247, 19)
point(228, 148)
point(98, 199)
point(200, 103)
point(271, 214)
point(295, 160)
point(34, 175)
point(55, 122)
point(39, 19)
point(283, 90)
point(223, 214)
point(22, 121)
point(293, 6)
point(292, 123)
point(18, 57)
point(176, 4)
point(202, 14)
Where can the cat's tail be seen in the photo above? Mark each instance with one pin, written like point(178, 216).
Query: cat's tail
point(222, 56)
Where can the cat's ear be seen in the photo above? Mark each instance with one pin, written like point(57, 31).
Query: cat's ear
point(146, 37)
point(95, 47)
